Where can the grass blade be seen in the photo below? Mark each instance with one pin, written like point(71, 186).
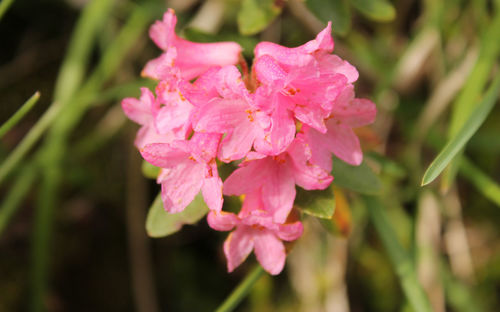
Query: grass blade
point(464, 105)
point(455, 145)
point(484, 184)
point(28, 141)
point(400, 259)
point(27, 106)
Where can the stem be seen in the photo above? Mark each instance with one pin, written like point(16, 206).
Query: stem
point(27, 106)
point(241, 291)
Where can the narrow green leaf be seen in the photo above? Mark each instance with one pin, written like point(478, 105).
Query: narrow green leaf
point(19, 114)
point(470, 127)
point(377, 10)
point(255, 15)
point(149, 171)
point(336, 11)
point(357, 178)
point(399, 257)
point(160, 223)
point(483, 183)
point(319, 204)
point(475, 84)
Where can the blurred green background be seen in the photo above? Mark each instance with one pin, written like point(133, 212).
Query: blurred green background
point(73, 199)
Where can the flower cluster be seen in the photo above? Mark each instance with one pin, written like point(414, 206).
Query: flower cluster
point(283, 122)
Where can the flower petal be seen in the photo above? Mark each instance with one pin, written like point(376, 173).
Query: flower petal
point(270, 252)
point(212, 189)
point(139, 110)
point(163, 155)
point(238, 246)
point(278, 192)
point(180, 185)
point(249, 177)
point(290, 231)
point(222, 220)
point(343, 142)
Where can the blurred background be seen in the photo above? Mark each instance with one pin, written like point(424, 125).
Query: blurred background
point(74, 200)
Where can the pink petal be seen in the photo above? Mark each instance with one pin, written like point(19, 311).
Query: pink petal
point(250, 176)
point(180, 185)
point(162, 67)
point(212, 188)
point(204, 146)
point(323, 41)
point(222, 221)
point(148, 135)
point(332, 64)
point(139, 110)
point(343, 142)
point(193, 59)
point(282, 129)
point(163, 32)
point(278, 192)
point(306, 174)
point(268, 70)
point(270, 252)
point(238, 246)
point(163, 155)
point(299, 56)
point(360, 112)
point(238, 143)
point(320, 154)
point(220, 115)
point(290, 231)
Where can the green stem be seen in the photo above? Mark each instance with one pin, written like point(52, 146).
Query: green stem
point(4, 6)
point(27, 106)
point(241, 291)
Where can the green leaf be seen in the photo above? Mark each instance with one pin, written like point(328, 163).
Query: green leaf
point(149, 171)
point(470, 127)
point(356, 178)
point(319, 204)
point(19, 114)
point(255, 15)
point(377, 10)
point(336, 11)
point(401, 260)
point(160, 223)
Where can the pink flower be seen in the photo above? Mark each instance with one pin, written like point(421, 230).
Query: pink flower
point(174, 110)
point(304, 90)
point(188, 166)
point(231, 111)
point(316, 51)
point(340, 139)
point(255, 230)
point(274, 177)
point(191, 58)
point(142, 111)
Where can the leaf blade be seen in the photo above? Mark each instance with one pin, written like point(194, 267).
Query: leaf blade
point(469, 128)
point(160, 223)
